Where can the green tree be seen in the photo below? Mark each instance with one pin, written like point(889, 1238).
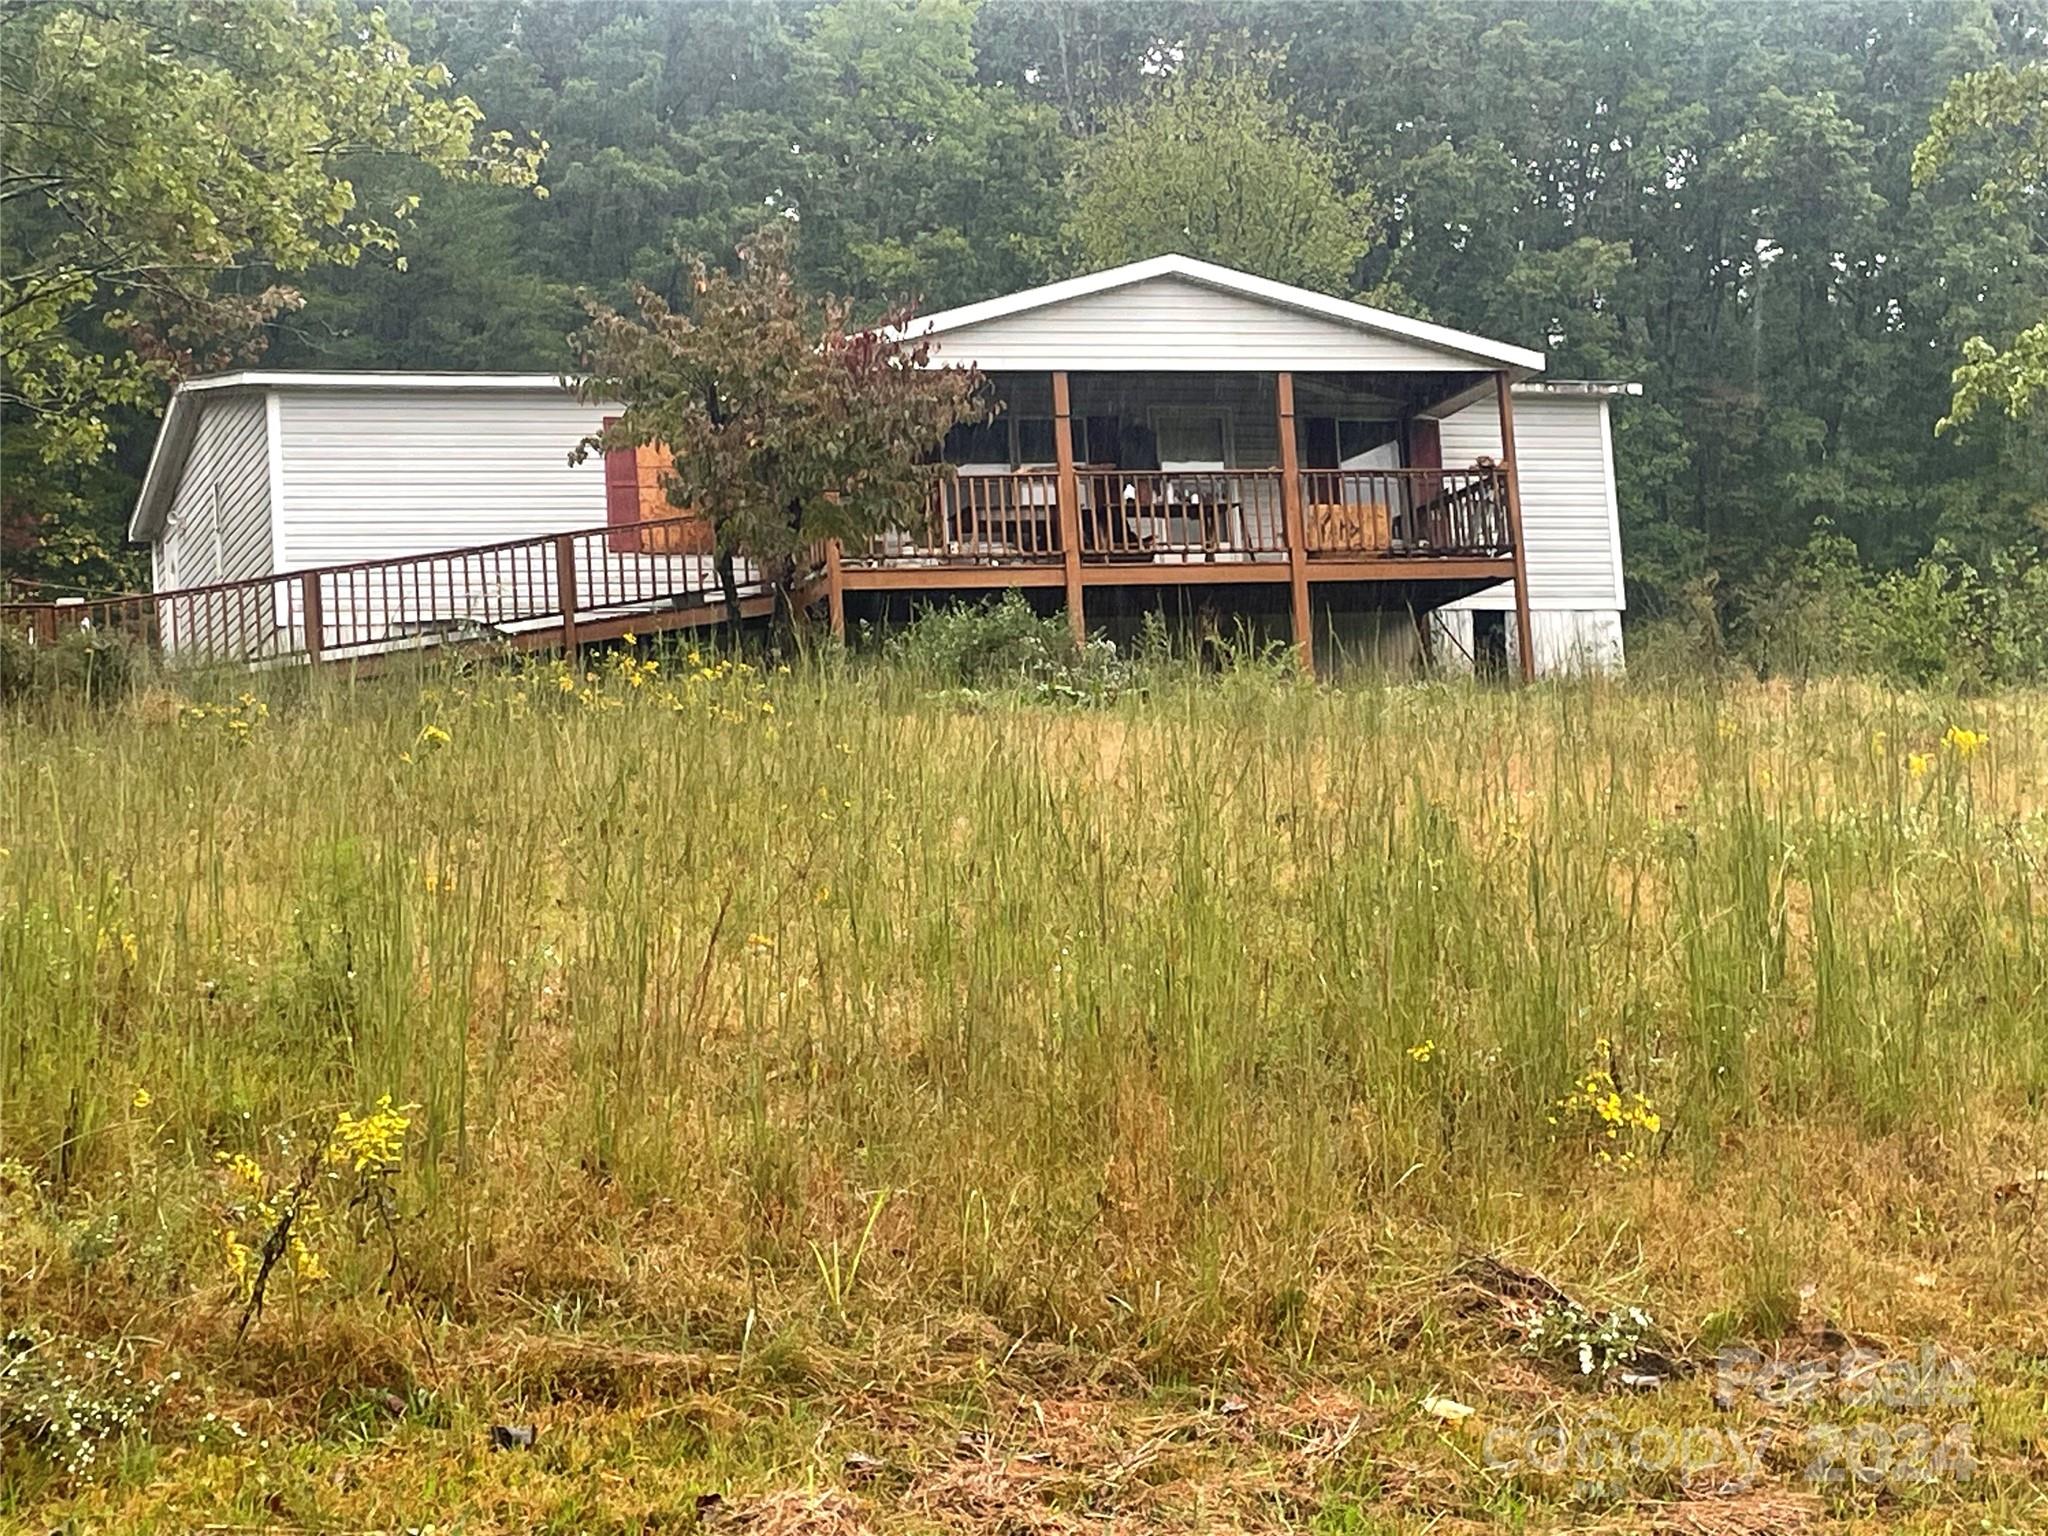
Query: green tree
point(787, 422)
point(1212, 165)
point(917, 179)
point(166, 166)
point(2010, 107)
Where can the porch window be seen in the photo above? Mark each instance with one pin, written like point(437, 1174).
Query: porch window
point(1034, 448)
point(1192, 439)
point(1345, 442)
point(1010, 442)
point(983, 445)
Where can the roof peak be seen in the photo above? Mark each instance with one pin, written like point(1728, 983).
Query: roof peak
point(1230, 280)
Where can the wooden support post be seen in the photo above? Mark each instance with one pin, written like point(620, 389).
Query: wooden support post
point(565, 590)
point(1070, 501)
point(314, 614)
point(835, 590)
point(1524, 631)
point(1297, 538)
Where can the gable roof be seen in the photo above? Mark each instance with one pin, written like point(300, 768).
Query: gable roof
point(1478, 349)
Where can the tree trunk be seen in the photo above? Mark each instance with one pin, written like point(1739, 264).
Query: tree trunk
point(784, 585)
point(728, 583)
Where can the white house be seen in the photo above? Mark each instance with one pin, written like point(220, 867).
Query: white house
point(1166, 425)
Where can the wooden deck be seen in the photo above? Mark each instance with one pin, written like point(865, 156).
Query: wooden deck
point(556, 591)
point(1446, 530)
point(1439, 533)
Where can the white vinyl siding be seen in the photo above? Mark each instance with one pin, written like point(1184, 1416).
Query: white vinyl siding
point(374, 474)
point(1567, 475)
point(218, 527)
point(1169, 324)
point(382, 474)
point(1567, 641)
point(217, 530)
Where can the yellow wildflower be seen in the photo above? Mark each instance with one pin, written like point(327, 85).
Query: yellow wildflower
point(1917, 764)
point(1422, 1050)
point(374, 1143)
point(142, 1100)
point(1965, 743)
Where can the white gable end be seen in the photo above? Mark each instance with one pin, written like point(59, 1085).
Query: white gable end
point(1172, 324)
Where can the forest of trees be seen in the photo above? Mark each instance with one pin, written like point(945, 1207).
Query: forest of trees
point(1719, 201)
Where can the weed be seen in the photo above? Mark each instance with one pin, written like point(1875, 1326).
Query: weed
point(68, 1401)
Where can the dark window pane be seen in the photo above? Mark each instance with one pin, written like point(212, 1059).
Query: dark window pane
point(1034, 440)
point(1356, 437)
point(1319, 447)
point(985, 442)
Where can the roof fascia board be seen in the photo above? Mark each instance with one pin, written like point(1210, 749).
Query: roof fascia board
point(1227, 280)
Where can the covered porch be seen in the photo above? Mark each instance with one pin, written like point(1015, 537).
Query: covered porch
point(1125, 478)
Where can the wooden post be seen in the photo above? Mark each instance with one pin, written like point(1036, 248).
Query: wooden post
point(1297, 539)
point(315, 617)
point(565, 590)
point(835, 590)
point(1070, 501)
point(1524, 636)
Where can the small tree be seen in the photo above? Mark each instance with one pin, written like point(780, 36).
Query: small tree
point(788, 424)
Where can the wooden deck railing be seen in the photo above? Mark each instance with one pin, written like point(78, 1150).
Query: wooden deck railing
point(977, 519)
point(1135, 516)
point(1365, 512)
point(541, 590)
point(1138, 514)
point(553, 588)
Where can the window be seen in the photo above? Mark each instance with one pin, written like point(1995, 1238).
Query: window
point(1192, 439)
point(1035, 442)
point(1346, 442)
point(1356, 439)
point(1020, 442)
point(980, 445)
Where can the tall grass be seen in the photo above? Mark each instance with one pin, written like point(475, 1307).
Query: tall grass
point(1156, 1023)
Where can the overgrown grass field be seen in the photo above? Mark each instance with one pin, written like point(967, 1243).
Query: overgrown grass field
point(819, 1102)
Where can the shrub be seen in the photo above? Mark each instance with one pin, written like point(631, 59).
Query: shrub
point(1941, 621)
point(1004, 644)
point(92, 664)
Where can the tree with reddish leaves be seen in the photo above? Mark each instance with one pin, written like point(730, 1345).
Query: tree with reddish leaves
point(789, 423)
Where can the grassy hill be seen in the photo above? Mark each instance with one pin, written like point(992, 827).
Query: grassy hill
point(814, 1101)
